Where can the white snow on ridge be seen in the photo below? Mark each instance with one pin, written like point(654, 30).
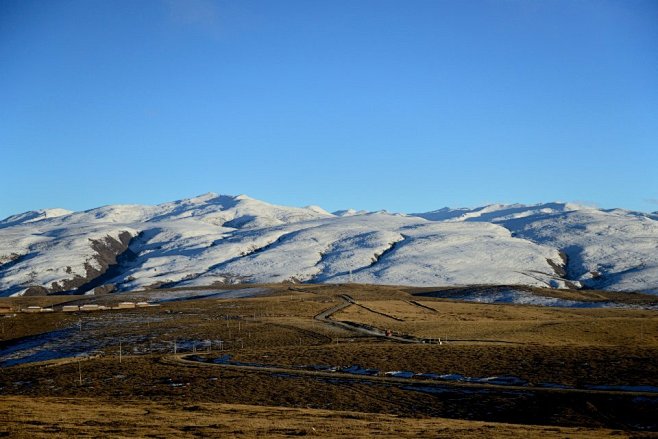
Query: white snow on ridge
point(349, 212)
point(175, 240)
point(380, 248)
point(612, 249)
point(605, 250)
point(33, 216)
point(497, 213)
point(216, 239)
point(52, 257)
point(463, 254)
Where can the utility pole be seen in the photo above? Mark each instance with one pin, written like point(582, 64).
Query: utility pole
point(119, 351)
point(80, 371)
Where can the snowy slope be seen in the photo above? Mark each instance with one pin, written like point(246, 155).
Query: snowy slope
point(66, 252)
point(498, 212)
point(606, 249)
point(382, 248)
point(218, 239)
point(327, 249)
point(33, 216)
point(56, 259)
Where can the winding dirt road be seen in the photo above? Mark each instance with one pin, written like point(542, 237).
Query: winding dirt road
point(325, 317)
point(195, 360)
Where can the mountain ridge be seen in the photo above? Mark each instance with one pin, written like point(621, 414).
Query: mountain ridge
point(216, 239)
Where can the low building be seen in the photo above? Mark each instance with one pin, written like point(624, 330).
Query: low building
point(6, 309)
point(90, 307)
point(124, 305)
point(70, 308)
point(142, 304)
point(32, 309)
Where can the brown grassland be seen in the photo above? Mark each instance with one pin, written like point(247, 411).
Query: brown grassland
point(558, 353)
point(95, 417)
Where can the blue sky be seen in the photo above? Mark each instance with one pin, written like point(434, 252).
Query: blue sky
point(405, 106)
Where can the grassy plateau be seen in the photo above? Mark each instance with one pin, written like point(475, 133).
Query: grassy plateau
point(332, 361)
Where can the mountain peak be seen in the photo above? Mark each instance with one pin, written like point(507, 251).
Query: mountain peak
point(33, 216)
point(318, 209)
point(243, 197)
point(203, 198)
point(349, 212)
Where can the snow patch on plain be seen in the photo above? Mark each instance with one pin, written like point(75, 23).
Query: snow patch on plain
point(526, 298)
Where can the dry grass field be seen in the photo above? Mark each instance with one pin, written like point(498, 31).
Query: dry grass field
point(22, 417)
point(512, 324)
point(580, 372)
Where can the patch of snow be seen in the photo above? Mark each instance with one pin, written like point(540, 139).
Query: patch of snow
point(520, 297)
point(358, 370)
point(318, 209)
point(33, 216)
point(400, 374)
point(349, 212)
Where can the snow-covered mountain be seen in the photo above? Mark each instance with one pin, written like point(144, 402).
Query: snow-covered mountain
point(32, 216)
point(218, 239)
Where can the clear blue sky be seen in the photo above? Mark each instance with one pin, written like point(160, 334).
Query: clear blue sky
point(372, 104)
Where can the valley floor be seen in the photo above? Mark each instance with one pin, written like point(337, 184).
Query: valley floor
point(329, 360)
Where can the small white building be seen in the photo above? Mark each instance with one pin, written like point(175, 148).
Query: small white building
point(32, 309)
point(90, 307)
point(125, 305)
point(70, 308)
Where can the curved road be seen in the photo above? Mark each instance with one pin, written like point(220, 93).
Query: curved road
point(193, 360)
point(325, 317)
